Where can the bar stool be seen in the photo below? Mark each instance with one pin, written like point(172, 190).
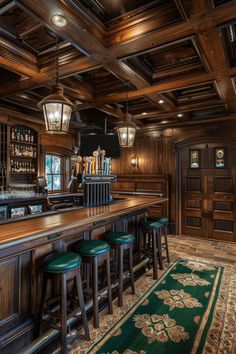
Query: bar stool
point(153, 229)
point(93, 252)
point(121, 241)
point(164, 221)
point(62, 266)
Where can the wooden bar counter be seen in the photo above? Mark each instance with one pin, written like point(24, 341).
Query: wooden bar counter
point(24, 243)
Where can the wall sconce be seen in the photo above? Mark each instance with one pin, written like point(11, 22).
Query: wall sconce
point(134, 161)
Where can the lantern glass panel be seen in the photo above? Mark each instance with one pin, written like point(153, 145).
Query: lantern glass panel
point(67, 110)
point(126, 136)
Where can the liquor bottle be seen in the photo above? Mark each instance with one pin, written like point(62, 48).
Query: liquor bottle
point(26, 136)
point(21, 135)
point(32, 137)
point(13, 134)
point(17, 135)
point(16, 151)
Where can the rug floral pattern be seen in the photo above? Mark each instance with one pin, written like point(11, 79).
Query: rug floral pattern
point(177, 298)
point(160, 328)
point(189, 279)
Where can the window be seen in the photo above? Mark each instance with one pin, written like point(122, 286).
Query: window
point(53, 167)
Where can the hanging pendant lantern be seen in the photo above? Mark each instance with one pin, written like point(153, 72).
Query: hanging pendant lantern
point(57, 111)
point(126, 130)
point(56, 107)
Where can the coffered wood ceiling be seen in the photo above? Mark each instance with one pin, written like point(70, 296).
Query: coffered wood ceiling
point(178, 57)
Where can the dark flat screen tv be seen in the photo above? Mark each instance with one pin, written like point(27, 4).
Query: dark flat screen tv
point(110, 143)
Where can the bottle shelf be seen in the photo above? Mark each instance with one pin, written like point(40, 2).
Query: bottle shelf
point(23, 173)
point(22, 142)
point(22, 157)
point(22, 166)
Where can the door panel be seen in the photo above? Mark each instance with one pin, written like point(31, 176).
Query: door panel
point(193, 200)
point(207, 194)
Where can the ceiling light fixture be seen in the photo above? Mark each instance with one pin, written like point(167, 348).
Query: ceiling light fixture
point(59, 21)
point(144, 113)
point(56, 107)
point(180, 115)
point(161, 101)
point(126, 130)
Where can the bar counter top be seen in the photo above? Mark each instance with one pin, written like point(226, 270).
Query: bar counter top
point(22, 232)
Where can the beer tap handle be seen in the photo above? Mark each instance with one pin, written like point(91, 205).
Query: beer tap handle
point(96, 155)
point(90, 159)
point(102, 156)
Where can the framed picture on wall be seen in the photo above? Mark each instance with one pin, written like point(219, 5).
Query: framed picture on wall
point(195, 158)
point(220, 157)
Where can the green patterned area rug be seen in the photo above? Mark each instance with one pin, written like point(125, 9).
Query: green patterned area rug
point(175, 315)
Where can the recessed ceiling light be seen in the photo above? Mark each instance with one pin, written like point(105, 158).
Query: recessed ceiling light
point(144, 113)
point(161, 101)
point(164, 121)
point(59, 20)
point(180, 115)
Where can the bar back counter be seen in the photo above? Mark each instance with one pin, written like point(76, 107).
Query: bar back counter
point(24, 243)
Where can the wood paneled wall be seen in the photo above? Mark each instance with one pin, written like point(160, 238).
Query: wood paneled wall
point(157, 154)
point(153, 157)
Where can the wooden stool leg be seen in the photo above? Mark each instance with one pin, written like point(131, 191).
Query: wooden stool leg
point(167, 248)
point(88, 273)
point(154, 254)
point(63, 314)
point(95, 292)
point(43, 299)
point(120, 285)
point(140, 236)
point(159, 246)
point(109, 295)
point(131, 270)
point(81, 304)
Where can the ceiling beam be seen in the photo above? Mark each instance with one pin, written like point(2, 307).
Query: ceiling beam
point(160, 88)
point(155, 127)
point(193, 107)
point(123, 71)
point(15, 67)
point(125, 45)
point(46, 76)
point(211, 45)
point(90, 43)
point(159, 37)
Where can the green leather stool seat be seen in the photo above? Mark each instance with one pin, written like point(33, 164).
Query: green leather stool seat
point(60, 262)
point(160, 219)
point(155, 225)
point(163, 220)
point(119, 237)
point(92, 248)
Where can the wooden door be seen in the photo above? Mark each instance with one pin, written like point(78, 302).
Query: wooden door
point(208, 191)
